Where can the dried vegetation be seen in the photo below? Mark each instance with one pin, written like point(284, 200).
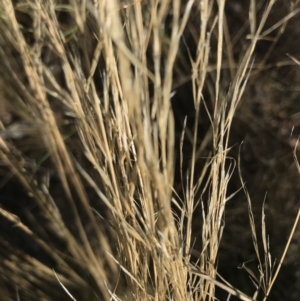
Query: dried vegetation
point(120, 125)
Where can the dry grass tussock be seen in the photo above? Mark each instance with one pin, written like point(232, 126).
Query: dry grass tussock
point(86, 90)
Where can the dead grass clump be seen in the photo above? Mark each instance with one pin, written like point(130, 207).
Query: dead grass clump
point(87, 129)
